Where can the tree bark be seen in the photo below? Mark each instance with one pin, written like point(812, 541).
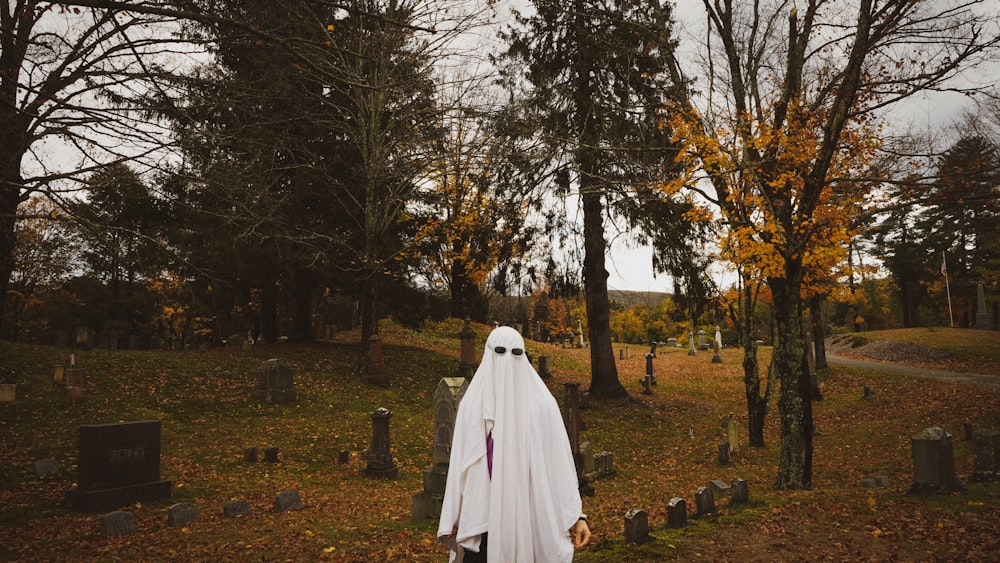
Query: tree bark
point(794, 394)
point(818, 332)
point(269, 310)
point(603, 370)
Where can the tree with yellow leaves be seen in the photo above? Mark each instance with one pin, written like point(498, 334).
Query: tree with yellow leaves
point(789, 114)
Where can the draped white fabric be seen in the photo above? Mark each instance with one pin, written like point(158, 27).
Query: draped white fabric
point(533, 499)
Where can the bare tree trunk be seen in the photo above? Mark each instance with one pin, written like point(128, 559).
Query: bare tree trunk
point(794, 393)
point(302, 321)
point(603, 370)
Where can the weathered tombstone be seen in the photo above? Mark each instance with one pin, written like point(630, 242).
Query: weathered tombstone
point(677, 513)
point(704, 501)
point(447, 396)
point(182, 513)
point(119, 464)
point(934, 462)
point(701, 340)
point(869, 392)
point(621, 353)
point(647, 385)
point(118, 523)
point(881, 481)
point(250, 455)
point(671, 343)
point(236, 508)
point(574, 425)
point(982, 313)
point(867, 483)
point(343, 457)
point(467, 359)
point(579, 332)
point(741, 492)
point(543, 367)
point(380, 462)
point(587, 454)
point(719, 487)
point(691, 350)
point(45, 467)
point(275, 382)
point(271, 454)
point(58, 373)
point(650, 372)
point(288, 500)
point(986, 455)
point(652, 348)
point(724, 453)
point(637, 527)
point(376, 373)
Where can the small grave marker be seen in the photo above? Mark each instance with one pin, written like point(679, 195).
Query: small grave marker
point(637, 527)
point(250, 455)
point(182, 513)
point(704, 501)
point(45, 467)
point(271, 454)
point(677, 513)
point(236, 508)
point(741, 492)
point(118, 523)
point(288, 500)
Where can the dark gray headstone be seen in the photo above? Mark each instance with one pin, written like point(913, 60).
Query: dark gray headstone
point(543, 367)
point(741, 492)
point(250, 455)
point(275, 383)
point(379, 456)
point(118, 523)
point(119, 464)
point(724, 452)
point(704, 501)
point(271, 454)
point(236, 508)
point(934, 462)
point(288, 500)
point(182, 513)
point(677, 513)
point(45, 467)
point(719, 487)
point(868, 483)
point(637, 526)
point(869, 392)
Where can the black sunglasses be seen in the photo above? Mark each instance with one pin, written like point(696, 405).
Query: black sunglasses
point(501, 351)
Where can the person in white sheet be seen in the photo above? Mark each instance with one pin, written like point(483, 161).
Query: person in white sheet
point(512, 493)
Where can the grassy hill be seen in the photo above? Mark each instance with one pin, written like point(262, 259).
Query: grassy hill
point(204, 399)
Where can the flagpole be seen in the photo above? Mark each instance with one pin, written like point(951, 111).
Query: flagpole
point(944, 270)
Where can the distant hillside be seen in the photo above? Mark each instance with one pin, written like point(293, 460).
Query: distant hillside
point(630, 298)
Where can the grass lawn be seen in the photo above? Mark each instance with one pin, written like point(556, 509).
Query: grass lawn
point(203, 399)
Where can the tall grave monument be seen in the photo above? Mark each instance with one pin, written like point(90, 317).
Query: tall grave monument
point(449, 393)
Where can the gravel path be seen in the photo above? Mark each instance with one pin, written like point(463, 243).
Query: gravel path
point(940, 375)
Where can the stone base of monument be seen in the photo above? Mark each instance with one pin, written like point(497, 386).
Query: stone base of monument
point(427, 505)
point(107, 499)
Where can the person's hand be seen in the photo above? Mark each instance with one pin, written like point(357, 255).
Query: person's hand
point(449, 539)
point(580, 534)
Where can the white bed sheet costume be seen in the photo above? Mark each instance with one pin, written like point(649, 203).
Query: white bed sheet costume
point(532, 499)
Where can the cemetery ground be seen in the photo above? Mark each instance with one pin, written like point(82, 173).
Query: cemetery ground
point(209, 417)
